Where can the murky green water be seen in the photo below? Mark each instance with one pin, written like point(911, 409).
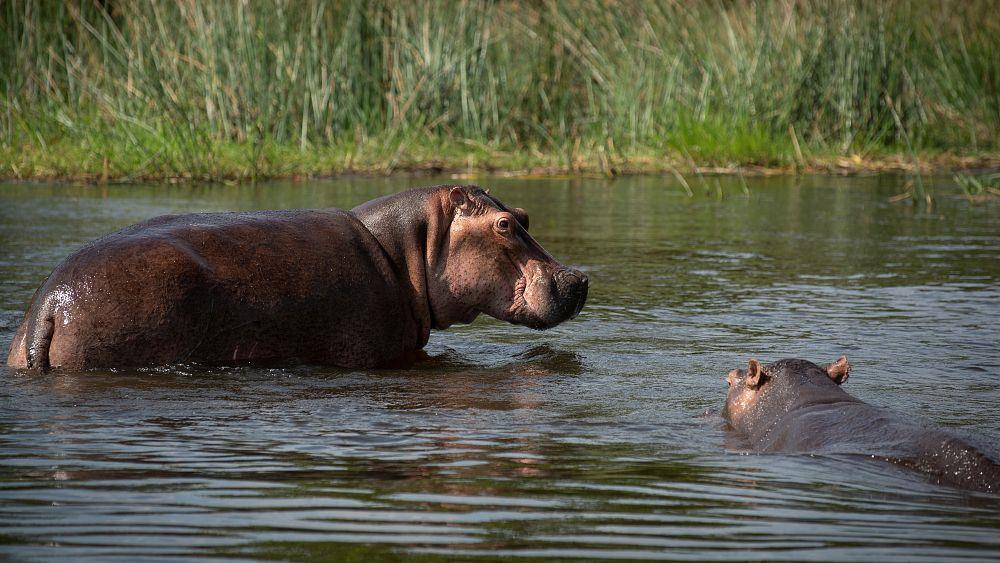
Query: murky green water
point(595, 439)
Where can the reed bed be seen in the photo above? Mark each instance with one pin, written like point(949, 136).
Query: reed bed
point(238, 89)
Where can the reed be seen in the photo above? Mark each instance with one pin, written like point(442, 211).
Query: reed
point(273, 87)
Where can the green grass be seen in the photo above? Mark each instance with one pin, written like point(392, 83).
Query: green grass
point(247, 90)
point(978, 186)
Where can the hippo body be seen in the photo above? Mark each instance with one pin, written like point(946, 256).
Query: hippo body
point(796, 406)
point(356, 288)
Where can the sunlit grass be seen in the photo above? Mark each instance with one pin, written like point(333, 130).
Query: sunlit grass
point(245, 90)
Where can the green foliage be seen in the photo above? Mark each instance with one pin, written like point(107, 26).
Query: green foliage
point(184, 88)
point(973, 186)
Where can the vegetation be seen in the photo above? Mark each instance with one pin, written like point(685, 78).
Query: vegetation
point(981, 187)
point(179, 88)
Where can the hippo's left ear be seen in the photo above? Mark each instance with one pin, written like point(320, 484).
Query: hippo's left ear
point(521, 216)
point(755, 374)
point(839, 370)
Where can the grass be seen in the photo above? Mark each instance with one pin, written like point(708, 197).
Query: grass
point(106, 90)
point(981, 187)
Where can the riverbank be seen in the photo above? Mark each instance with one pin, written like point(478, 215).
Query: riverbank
point(229, 162)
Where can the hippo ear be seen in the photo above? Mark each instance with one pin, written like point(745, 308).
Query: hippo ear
point(755, 374)
point(839, 370)
point(458, 198)
point(521, 216)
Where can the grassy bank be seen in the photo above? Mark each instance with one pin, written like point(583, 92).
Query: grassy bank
point(230, 90)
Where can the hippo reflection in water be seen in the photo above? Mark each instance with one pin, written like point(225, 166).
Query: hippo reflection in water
point(355, 288)
point(797, 406)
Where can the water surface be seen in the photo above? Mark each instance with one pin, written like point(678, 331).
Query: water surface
point(597, 439)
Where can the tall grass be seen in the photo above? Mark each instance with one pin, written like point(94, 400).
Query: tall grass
point(183, 87)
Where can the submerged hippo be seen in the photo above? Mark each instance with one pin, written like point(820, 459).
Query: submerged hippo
point(798, 406)
point(355, 288)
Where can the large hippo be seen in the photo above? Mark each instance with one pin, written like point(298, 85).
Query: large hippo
point(357, 288)
point(797, 406)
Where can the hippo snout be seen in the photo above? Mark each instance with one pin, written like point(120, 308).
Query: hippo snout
point(571, 287)
point(550, 296)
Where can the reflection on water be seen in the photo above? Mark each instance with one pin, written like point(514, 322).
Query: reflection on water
point(596, 439)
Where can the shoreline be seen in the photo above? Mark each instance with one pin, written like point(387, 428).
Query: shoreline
point(234, 172)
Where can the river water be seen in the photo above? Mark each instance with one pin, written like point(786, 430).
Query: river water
point(597, 439)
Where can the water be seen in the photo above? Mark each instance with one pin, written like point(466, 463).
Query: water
point(597, 439)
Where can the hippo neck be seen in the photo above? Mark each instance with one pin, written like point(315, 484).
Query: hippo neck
point(406, 226)
point(776, 415)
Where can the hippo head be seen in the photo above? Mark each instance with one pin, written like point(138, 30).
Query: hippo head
point(759, 391)
point(489, 264)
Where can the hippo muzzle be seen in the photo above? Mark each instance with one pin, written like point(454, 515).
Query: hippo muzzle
point(550, 297)
point(571, 287)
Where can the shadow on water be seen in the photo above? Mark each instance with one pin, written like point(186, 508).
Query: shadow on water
point(541, 359)
point(590, 440)
point(445, 378)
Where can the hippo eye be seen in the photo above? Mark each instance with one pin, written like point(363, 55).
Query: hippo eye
point(503, 224)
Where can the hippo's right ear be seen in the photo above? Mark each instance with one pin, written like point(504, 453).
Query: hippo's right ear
point(521, 216)
point(839, 370)
point(755, 374)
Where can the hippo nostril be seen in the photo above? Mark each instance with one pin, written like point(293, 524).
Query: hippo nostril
point(569, 276)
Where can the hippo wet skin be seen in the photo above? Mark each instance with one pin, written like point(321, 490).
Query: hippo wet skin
point(797, 406)
point(359, 288)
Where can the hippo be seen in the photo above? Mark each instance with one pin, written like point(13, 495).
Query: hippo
point(355, 289)
point(797, 406)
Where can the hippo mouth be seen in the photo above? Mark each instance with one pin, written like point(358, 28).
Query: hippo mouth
point(518, 303)
point(520, 311)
